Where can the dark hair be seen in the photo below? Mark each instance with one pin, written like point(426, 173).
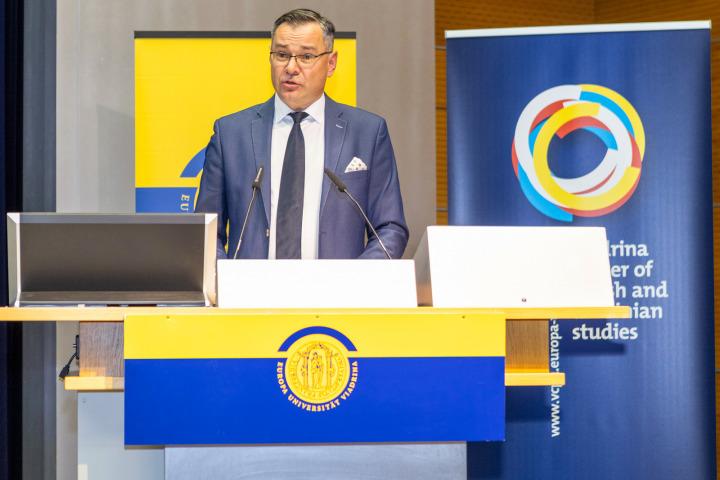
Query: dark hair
point(301, 16)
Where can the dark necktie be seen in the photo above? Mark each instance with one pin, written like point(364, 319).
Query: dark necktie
point(292, 191)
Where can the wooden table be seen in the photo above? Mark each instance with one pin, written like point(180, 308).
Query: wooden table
point(527, 361)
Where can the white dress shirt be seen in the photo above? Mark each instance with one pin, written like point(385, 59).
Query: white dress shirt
point(314, 134)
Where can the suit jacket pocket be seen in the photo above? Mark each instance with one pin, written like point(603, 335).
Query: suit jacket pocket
point(357, 184)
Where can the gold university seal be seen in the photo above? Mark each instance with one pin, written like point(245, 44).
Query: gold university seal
point(317, 370)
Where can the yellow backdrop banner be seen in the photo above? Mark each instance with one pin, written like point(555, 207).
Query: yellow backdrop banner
point(182, 85)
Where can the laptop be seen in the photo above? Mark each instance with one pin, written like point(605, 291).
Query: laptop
point(57, 259)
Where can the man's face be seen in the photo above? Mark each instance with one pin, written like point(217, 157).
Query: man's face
point(300, 85)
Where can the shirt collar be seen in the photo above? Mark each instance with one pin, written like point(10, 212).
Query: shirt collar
point(316, 111)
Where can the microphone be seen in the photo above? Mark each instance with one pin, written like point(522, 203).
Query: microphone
point(343, 189)
point(255, 187)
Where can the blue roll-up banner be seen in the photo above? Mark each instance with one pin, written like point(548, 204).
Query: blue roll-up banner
point(599, 126)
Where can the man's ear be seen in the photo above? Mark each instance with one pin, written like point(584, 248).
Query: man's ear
point(332, 63)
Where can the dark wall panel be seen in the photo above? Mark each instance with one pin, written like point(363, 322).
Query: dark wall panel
point(11, 31)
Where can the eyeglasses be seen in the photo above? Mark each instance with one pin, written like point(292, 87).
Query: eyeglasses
point(305, 59)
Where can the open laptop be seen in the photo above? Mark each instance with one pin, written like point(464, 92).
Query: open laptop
point(114, 259)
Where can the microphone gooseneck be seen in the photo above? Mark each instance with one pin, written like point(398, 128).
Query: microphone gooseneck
point(255, 187)
point(336, 180)
point(343, 189)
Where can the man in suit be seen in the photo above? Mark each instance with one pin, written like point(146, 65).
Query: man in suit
point(293, 137)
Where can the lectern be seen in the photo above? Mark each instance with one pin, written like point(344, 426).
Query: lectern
point(387, 351)
point(324, 349)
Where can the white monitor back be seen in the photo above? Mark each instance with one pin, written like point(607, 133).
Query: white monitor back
point(316, 284)
point(509, 267)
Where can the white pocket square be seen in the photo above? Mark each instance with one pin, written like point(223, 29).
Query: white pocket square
point(355, 165)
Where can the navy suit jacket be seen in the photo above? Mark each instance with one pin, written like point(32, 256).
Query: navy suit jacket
point(241, 144)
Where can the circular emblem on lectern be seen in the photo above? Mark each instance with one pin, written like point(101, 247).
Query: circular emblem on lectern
point(318, 372)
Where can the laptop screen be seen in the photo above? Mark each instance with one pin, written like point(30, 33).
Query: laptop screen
point(111, 259)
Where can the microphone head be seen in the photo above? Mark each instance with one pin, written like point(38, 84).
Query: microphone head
point(336, 180)
point(258, 178)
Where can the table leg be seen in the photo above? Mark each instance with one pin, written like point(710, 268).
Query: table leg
point(101, 349)
point(527, 346)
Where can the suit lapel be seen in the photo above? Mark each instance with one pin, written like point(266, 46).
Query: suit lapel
point(335, 131)
point(262, 138)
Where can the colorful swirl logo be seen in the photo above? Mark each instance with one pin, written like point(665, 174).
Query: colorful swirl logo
point(564, 109)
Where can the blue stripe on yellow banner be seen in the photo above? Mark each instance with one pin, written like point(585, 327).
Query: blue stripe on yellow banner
point(165, 199)
point(241, 401)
